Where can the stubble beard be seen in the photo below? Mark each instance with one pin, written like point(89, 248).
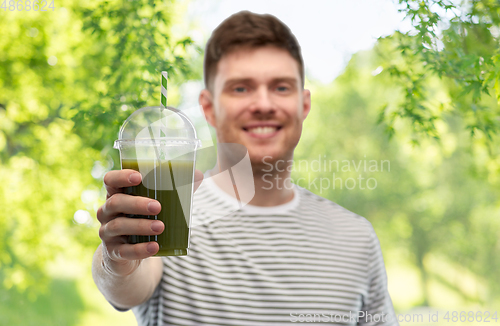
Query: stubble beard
point(261, 162)
point(261, 165)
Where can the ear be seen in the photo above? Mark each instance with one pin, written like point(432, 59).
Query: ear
point(206, 102)
point(306, 98)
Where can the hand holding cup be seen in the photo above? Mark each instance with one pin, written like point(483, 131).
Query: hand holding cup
point(120, 257)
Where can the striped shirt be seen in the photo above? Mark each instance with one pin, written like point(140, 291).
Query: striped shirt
point(309, 260)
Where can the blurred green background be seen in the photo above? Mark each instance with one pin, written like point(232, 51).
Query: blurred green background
point(424, 102)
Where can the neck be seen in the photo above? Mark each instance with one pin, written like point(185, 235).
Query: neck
point(273, 186)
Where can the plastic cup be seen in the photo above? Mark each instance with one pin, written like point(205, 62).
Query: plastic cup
point(161, 144)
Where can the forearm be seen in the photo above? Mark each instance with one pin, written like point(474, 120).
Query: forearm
point(129, 290)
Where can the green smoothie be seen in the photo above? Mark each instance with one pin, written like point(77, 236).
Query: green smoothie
point(171, 175)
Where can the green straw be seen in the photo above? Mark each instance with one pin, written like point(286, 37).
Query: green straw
point(164, 76)
point(163, 99)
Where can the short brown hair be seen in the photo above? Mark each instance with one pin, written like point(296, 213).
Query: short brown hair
point(246, 28)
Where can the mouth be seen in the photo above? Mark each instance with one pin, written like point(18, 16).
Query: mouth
point(262, 131)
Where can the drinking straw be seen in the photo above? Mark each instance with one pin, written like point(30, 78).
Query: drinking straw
point(164, 76)
point(163, 100)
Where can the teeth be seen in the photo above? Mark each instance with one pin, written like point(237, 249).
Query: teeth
point(263, 130)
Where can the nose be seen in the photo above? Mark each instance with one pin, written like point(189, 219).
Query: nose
point(262, 101)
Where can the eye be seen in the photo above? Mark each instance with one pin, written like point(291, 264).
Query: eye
point(283, 88)
point(240, 89)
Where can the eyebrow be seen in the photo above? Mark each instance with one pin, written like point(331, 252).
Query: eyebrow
point(237, 81)
point(233, 81)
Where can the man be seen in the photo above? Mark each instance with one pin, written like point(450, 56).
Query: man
point(288, 256)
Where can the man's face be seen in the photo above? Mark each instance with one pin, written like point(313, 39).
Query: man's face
point(258, 101)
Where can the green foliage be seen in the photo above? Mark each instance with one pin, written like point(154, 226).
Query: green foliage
point(60, 306)
point(459, 44)
point(132, 44)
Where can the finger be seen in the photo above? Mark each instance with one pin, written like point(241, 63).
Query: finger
point(115, 180)
point(120, 204)
point(125, 226)
point(198, 178)
point(133, 251)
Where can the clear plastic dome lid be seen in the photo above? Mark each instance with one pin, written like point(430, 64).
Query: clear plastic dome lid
point(157, 125)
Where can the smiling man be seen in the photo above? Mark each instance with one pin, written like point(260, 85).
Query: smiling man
point(289, 256)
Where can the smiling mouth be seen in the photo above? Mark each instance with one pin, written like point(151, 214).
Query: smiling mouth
point(267, 130)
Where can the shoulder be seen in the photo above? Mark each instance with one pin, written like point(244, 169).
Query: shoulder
point(333, 212)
